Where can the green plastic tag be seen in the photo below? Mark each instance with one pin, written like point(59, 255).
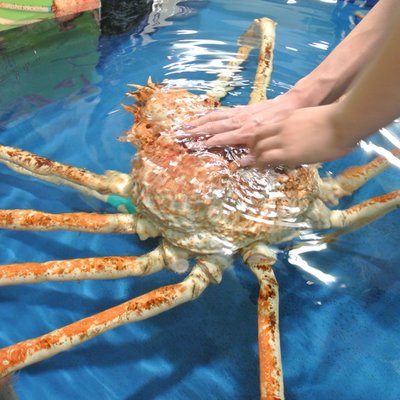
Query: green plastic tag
point(121, 204)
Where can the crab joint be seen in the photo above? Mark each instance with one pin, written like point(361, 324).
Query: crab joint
point(179, 266)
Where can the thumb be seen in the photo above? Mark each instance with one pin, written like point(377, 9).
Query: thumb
point(263, 132)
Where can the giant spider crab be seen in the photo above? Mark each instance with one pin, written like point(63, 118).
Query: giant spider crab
point(201, 204)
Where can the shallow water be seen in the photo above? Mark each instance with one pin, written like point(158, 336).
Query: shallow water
point(60, 98)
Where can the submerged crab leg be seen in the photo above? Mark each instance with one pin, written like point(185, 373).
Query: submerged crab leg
point(91, 268)
point(361, 214)
point(265, 29)
point(79, 221)
point(265, 58)
point(89, 183)
point(260, 260)
point(354, 177)
point(30, 351)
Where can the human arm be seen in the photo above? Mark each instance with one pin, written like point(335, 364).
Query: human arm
point(331, 79)
point(324, 133)
point(322, 86)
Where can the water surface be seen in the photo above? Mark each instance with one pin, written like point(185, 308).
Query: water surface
point(61, 95)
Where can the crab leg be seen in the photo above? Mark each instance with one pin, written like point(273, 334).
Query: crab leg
point(89, 183)
point(361, 214)
point(30, 351)
point(265, 28)
point(265, 58)
point(80, 221)
point(91, 268)
point(260, 260)
point(78, 269)
point(354, 177)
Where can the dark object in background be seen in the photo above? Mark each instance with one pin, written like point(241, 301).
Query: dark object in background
point(6, 389)
point(119, 16)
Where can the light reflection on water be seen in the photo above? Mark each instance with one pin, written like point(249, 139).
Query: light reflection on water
point(339, 306)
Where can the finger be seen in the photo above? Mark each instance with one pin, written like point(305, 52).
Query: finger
point(262, 132)
point(257, 147)
point(247, 161)
point(277, 158)
point(216, 127)
point(211, 117)
point(270, 158)
point(182, 134)
point(229, 138)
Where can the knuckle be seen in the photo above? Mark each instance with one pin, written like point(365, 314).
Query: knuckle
point(248, 137)
point(251, 131)
point(237, 121)
point(208, 127)
point(213, 116)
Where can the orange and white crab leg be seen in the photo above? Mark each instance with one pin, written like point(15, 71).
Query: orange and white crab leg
point(20, 355)
point(363, 213)
point(354, 217)
point(264, 28)
point(33, 220)
point(332, 189)
point(79, 221)
point(87, 182)
point(92, 268)
point(260, 259)
point(265, 59)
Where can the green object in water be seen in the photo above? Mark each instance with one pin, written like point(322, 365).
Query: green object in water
point(14, 13)
point(121, 203)
point(68, 58)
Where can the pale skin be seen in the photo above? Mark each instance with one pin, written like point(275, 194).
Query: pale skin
point(307, 124)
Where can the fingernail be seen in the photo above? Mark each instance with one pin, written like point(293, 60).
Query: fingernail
point(247, 161)
point(201, 135)
point(211, 143)
point(181, 134)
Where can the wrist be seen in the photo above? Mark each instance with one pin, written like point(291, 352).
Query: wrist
point(318, 88)
point(306, 93)
point(295, 98)
point(344, 128)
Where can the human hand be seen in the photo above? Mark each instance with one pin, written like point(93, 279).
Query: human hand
point(308, 135)
point(236, 126)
